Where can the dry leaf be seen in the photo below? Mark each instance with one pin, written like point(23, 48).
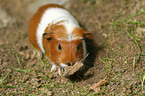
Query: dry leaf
point(72, 69)
point(96, 86)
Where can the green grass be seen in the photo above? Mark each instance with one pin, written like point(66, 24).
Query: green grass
point(129, 25)
point(122, 68)
point(33, 87)
point(43, 65)
point(2, 79)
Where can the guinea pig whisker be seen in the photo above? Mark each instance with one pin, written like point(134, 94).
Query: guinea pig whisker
point(78, 58)
point(88, 60)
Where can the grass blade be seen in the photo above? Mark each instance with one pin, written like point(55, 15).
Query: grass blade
point(4, 78)
point(19, 70)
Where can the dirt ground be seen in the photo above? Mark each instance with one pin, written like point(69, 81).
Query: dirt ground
point(117, 50)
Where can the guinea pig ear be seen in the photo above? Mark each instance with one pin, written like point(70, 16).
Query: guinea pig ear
point(88, 35)
point(47, 35)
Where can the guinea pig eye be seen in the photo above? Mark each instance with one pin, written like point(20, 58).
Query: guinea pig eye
point(59, 47)
point(78, 48)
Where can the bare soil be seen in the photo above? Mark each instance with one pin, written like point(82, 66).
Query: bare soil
point(114, 51)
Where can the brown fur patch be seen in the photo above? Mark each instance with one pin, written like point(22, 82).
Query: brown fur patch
point(59, 31)
point(79, 32)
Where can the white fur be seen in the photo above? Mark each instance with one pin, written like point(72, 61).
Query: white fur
point(62, 65)
point(53, 67)
point(61, 68)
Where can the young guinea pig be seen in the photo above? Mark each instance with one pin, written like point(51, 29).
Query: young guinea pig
point(56, 33)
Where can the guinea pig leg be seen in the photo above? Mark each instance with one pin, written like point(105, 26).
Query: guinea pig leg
point(53, 67)
point(61, 68)
point(59, 71)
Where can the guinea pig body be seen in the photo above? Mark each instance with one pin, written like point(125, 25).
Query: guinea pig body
point(55, 32)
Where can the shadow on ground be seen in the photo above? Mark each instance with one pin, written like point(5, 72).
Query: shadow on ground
point(92, 50)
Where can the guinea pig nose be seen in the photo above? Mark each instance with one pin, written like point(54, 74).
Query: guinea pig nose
point(69, 64)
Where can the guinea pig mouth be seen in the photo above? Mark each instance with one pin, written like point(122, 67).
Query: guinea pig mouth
point(79, 61)
point(72, 64)
point(69, 64)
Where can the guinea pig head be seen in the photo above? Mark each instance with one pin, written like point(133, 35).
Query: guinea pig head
point(62, 48)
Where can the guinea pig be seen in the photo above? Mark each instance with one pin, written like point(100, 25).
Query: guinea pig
point(56, 33)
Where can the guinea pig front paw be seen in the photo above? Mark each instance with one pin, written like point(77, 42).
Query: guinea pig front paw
point(60, 70)
point(53, 68)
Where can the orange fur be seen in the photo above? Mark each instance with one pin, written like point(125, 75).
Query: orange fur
point(79, 32)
